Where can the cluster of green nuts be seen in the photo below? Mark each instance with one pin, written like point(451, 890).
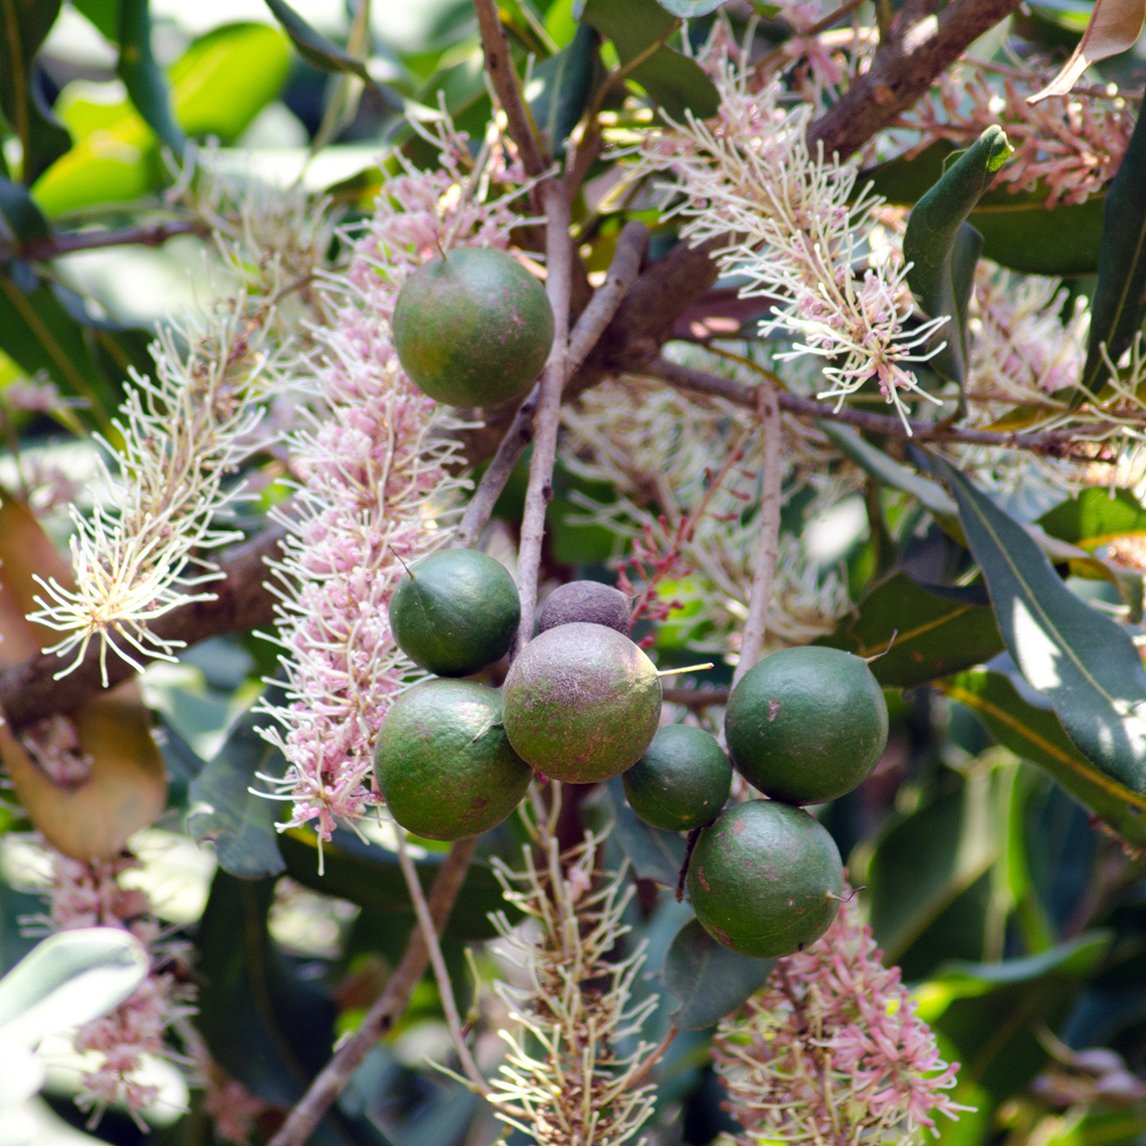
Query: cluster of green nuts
point(581, 701)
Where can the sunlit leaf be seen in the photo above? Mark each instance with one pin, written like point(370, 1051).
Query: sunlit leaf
point(1035, 734)
point(1087, 665)
point(687, 8)
point(1114, 27)
point(70, 978)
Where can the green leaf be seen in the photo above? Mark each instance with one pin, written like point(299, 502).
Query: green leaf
point(1096, 517)
point(142, 76)
point(38, 332)
point(226, 812)
point(566, 81)
point(1120, 293)
point(1085, 663)
point(1018, 229)
point(369, 875)
point(70, 978)
point(926, 861)
point(943, 247)
point(218, 86)
point(1035, 734)
point(654, 854)
point(263, 1023)
point(24, 24)
point(915, 633)
point(638, 28)
point(709, 980)
point(932, 496)
point(315, 48)
point(21, 221)
point(994, 1016)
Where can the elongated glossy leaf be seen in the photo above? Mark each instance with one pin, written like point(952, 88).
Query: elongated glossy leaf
point(1114, 27)
point(654, 854)
point(68, 979)
point(369, 875)
point(24, 24)
point(315, 48)
point(1017, 228)
point(995, 1015)
point(1035, 734)
point(266, 1024)
point(709, 980)
point(1086, 665)
point(915, 633)
point(224, 810)
point(142, 76)
point(674, 82)
point(924, 862)
point(1120, 294)
point(943, 247)
point(20, 219)
point(566, 80)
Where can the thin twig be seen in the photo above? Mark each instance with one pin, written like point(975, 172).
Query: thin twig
point(438, 963)
point(1059, 444)
point(539, 491)
point(334, 1077)
point(503, 76)
point(69, 243)
point(630, 251)
point(767, 551)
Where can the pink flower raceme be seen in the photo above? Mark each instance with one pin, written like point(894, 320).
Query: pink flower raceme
point(832, 1051)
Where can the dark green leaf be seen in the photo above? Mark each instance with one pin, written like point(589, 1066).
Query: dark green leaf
point(20, 219)
point(639, 28)
point(567, 81)
point(314, 47)
point(266, 1024)
point(1084, 662)
point(1120, 294)
point(24, 24)
point(995, 1015)
point(227, 813)
point(1035, 734)
point(38, 332)
point(943, 247)
point(654, 854)
point(369, 875)
point(104, 14)
point(926, 861)
point(1018, 229)
point(142, 77)
point(709, 980)
point(916, 633)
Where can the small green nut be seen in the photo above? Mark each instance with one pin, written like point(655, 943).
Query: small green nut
point(455, 612)
point(681, 782)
